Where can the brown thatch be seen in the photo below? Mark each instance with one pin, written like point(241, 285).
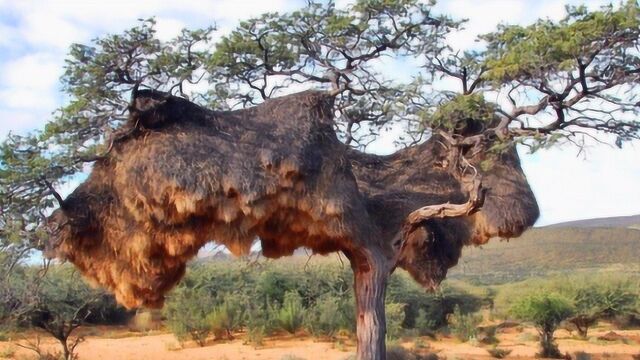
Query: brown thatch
point(396, 185)
point(276, 172)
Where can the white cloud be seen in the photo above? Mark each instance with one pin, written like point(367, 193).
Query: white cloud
point(41, 29)
point(28, 88)
point(483, 17)
point(604, 182)
point(167, 29)
point(17, 121)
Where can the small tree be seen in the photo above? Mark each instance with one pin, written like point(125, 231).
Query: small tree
point(546, 311)
point(58, 303)
point(597, 300)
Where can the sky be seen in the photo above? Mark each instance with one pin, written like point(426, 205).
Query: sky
point(35, 36)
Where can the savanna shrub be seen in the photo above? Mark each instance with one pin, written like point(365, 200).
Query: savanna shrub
point(186, 312)
point(395, 318)
point(546, 311)
point(291, 314)
point(424, 324)
point(227, 317)
point(464, 326)
point(329, 315)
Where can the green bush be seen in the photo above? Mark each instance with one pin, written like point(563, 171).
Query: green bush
point(291, 314)
point(226, 317)
point(395, 318)
point(186, 311)
point(262, 317)
point(274, 284)
point(59, 303)
point(434, 306)
point(546, 311)
point(255, 335)
point(423, 324)
point(329, 315)
point(464, 326)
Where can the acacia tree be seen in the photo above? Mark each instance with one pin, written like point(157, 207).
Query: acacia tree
point(601, 301)
point(56, 301)
point(554, 82)
point(546, 311)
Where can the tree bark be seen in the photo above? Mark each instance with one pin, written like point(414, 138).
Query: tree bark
point(65, 348)
point(370, 283)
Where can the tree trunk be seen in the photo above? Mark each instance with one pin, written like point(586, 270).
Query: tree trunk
point(370, 283)
point(65, 348)
point(582, 331)
point(549, 347)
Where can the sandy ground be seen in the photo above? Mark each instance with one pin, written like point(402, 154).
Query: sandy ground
point(120, 344)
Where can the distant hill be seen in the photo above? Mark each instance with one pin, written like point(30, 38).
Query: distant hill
point(566, 247)
point(618, 221)
point(555, 248)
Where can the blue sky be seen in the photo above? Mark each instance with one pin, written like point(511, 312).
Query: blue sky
point(35, 36)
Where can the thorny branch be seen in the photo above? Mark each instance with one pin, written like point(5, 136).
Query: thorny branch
point(472, 184)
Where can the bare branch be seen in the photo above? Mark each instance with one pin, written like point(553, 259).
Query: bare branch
point(439, 211)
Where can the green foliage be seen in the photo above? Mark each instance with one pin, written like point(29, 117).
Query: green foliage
point(227, 317)
point(99, 78)
point(274, 285)
point(464, 326)
point(291, 314)
point(186, 312)
point(261, 318)
point(424, 324)
point(57, 302)
point(321, 42)
point(606, 299)
point(591, 293)
point(547, 47)
point(456, 113)
point(434, 306)
point(292, 295)
point(546, 311)
point(329, 315)
point(255, 334)
point(395, 318)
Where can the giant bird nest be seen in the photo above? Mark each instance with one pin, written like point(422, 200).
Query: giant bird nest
point(276, 173)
